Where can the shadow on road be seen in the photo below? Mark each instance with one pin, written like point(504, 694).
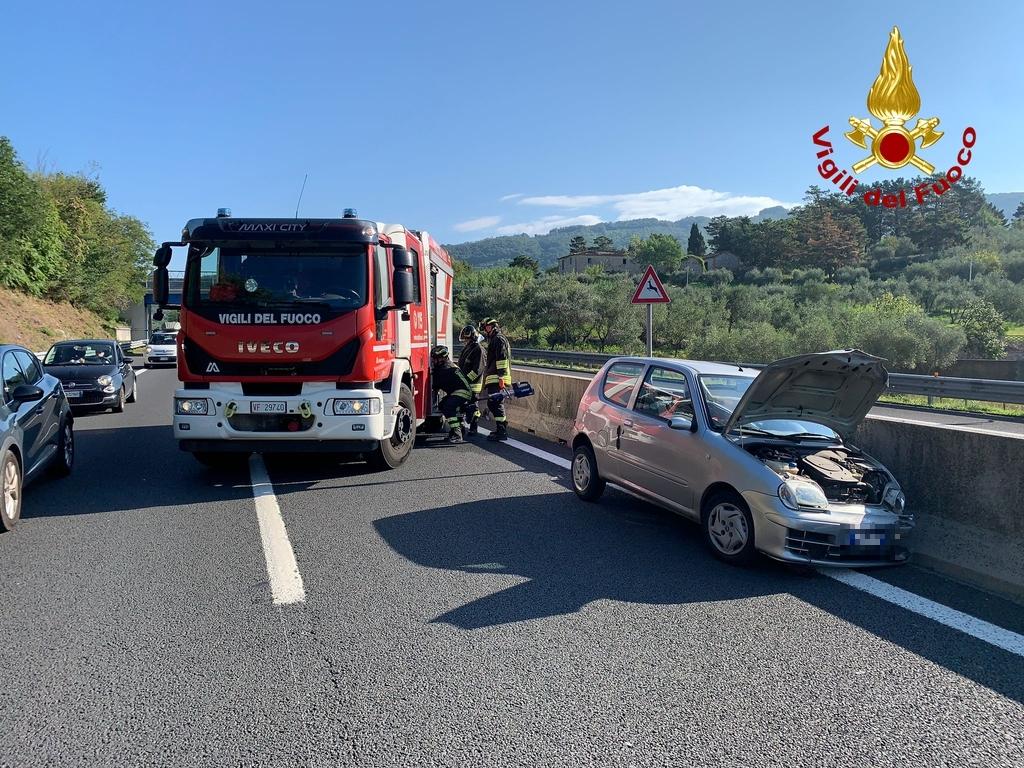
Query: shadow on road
point(572, 553)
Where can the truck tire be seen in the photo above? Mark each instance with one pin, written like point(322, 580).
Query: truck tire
point(393, 451)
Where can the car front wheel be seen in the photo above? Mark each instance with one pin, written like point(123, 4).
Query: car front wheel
point(728, 528)
point(65, 458)
point(585, 480)
point(10, 490)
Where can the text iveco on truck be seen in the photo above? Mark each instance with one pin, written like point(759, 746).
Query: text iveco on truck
point(305, 335)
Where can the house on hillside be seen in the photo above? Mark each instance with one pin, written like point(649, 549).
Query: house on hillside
point(612, 261)
point(724, 260)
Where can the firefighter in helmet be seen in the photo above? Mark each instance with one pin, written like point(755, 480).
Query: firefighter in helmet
point(471, 363)
point(446, 377)
point(497, 375)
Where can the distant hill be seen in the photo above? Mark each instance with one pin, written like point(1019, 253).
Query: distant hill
point(547, 249)
point(1007, 202)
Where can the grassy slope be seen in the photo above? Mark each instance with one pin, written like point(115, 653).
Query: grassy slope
point(36, 324)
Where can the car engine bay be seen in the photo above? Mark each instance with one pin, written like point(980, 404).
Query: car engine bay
point(843, 473)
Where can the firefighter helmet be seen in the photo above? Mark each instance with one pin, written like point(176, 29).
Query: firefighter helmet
point(488, 321)
point(468, 332)
point(439, 353)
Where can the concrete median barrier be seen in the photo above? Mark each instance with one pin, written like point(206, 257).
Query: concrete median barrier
point(966, 488)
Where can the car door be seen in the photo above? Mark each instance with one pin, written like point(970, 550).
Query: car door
point(664, 458)
point(126, 371)
point(29, 416)
point(605, 415)
point(49, 430)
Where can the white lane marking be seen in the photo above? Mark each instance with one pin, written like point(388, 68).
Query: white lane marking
point(950, 617)
point(285, 579)
point(955, 427)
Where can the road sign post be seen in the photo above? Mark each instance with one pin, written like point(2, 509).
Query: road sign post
point(650, 291)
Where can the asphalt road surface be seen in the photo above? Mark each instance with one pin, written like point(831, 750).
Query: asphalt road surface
point(463, 610)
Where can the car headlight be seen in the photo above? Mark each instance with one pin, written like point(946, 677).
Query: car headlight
point(149, 349)
point(895, 500)
point(356, 407)
point(187, 406)
point(803, 494)
point(104, 381)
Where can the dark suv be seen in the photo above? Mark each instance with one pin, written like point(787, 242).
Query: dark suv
point(36, 428)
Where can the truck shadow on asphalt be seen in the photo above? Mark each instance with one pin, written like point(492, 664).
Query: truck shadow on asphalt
point(572, 553)
point(131, 468)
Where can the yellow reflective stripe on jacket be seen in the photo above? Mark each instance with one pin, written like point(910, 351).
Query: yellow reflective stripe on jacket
point(477, 387)
point(472, 375)
point(492, 379)
point(503, 365)
point(463, 393)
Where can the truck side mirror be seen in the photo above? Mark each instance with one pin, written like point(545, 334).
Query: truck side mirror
point(403, 285)
point(162, 257)
point(161, 289)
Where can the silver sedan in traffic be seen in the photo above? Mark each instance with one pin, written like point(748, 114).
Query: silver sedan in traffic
point(760, 459)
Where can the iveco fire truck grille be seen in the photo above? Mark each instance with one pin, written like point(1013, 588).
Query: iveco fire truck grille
point(202, 363)
point(270, 422)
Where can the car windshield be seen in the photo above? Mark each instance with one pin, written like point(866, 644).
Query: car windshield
point(164, 338)
point(722, 394)
point(232, 277)
point(80, 353)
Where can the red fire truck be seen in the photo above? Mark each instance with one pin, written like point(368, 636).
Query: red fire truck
point(306, 335)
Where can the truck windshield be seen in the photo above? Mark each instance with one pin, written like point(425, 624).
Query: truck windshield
point(253, 277)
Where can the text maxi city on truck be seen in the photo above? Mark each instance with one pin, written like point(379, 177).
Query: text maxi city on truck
point(306, 335)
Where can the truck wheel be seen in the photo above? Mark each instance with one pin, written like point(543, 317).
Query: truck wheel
point(392, 451)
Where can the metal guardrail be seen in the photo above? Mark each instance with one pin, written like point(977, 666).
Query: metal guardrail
point(983, 390)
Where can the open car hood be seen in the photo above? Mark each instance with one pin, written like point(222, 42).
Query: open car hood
point(836, 389)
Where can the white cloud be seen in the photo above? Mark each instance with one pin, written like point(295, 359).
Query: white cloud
point(503, 198)
point(671, 203)
point(484, 222)
point(544, 225)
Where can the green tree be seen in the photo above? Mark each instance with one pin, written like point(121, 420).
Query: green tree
point(602, 243)
point(663, 252)
point(1018, 217)
point(984, 328)
point(578, 244)
point(615, 321)
point(696, 245)
point(523, 261)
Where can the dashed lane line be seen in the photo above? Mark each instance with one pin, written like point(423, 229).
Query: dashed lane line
point(922, 606)
point(282, 569)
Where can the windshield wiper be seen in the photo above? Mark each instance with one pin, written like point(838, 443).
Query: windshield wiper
point(806, 436)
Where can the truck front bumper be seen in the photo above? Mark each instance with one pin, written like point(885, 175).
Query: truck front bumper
point(223, 417)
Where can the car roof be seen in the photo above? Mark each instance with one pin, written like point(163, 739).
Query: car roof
point(84, 341)
point(696, 367)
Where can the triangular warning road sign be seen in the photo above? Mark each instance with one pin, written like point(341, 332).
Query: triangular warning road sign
point(650, 290)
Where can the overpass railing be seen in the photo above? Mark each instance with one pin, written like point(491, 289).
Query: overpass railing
point(983, 390)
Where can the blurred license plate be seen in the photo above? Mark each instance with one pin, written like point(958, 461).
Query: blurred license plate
point(72, 394)
point(868, 539)
point(275, 406)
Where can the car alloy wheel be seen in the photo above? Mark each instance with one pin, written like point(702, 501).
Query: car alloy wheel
point(10, 478)
point(69, 445)
point(727, 528)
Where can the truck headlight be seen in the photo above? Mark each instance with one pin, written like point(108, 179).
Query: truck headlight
point(104, 381)
point(187, 406)
point(802, 494)
point(356, 407)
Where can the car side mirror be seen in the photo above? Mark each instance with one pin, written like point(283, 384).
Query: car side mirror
point(683, 424)
point(26, 393)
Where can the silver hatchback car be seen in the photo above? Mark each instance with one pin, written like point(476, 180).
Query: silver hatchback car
point(759, 458)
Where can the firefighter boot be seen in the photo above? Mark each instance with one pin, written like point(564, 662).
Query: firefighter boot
point(500, 433)
point(455, 436)
point(473, 432)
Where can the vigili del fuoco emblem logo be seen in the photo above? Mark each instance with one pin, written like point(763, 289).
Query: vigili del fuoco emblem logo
point(893, 100)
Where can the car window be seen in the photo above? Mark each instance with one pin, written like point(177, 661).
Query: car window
point(84, 353)
point(29, 366)
point(619, 382)
point(664, 394)
point(12, 374)
point(164, 338)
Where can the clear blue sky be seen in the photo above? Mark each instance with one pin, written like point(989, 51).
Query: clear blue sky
point(430, 113)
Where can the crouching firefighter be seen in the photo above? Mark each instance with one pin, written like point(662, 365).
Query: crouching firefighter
point(447, 378)
point(471, 363)
point(497, 375)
